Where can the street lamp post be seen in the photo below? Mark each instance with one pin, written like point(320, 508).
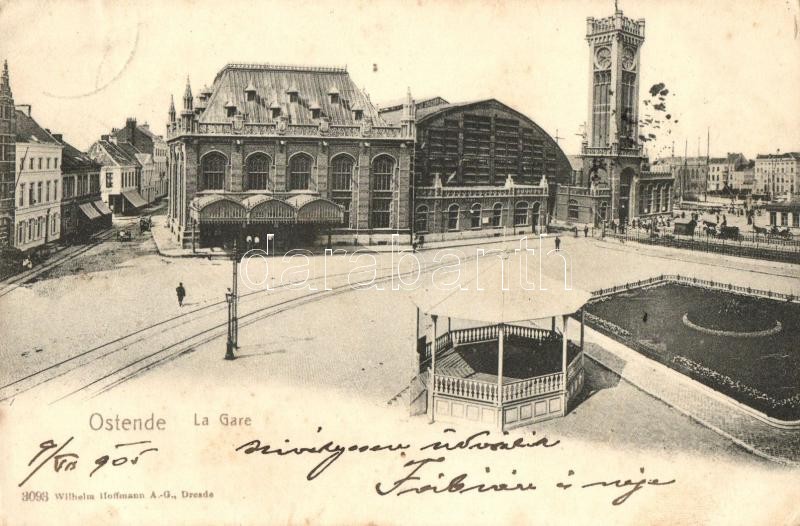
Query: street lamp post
point(232, 298)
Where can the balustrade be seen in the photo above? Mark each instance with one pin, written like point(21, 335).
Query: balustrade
point(465, 388)
point(549, 383)
point(487, 391)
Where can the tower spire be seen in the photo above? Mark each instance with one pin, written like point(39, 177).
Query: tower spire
point(171, 108)
point(5, 84)
point(187, 96)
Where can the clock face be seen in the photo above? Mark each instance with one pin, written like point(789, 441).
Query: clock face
point(628, 58)
point(602, 58)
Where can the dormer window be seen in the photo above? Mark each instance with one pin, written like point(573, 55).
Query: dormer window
point(230, 108)
point(333, 93)
point(358, 114)
point(316, 112)
point(293, 94)
point(275, 109)
point(250, 92)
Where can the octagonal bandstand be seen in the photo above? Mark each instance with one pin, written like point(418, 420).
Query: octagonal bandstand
point(503, 368)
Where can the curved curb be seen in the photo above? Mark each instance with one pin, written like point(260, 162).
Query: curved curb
point(733, 334)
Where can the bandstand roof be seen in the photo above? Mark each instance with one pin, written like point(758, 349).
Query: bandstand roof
point(485, 299)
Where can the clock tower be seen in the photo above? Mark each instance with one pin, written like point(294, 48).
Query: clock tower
point(612, 155)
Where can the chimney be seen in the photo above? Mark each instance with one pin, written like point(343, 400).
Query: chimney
point(24, 108)
point(104, 137)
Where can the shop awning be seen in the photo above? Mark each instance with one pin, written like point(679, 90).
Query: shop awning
point(89, 211)
point(102, 207)
point(133, 197)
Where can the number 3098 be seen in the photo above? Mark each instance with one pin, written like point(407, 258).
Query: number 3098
point(35, 496)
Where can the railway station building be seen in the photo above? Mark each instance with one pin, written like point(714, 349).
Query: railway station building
point(298, 152)
point(481, 169)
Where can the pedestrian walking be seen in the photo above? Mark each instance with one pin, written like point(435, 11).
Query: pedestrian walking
point(585, 230)
point(558, 243)
point(181, 292)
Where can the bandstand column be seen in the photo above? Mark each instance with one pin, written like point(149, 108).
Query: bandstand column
point(582, 329)
point(416, 346)
point(553, 325)
point(432, 381)
point(500, 338)
point(564, 343)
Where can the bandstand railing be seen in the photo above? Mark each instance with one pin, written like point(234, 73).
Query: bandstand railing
point(489, 332)
point(465, 388)
point(520, 389)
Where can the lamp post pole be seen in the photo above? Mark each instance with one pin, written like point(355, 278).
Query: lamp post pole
point(233, 297)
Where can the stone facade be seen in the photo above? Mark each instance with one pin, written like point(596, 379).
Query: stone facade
point(8, 130)
point(612, 156)
point(295, 134)
point(38, 203)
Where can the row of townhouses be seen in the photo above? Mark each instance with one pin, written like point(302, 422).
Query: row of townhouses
point(49, 191)
point(774, 176)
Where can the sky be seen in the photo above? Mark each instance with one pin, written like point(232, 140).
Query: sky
point(732, 68)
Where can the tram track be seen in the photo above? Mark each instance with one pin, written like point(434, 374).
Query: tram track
point(13, 282)
point(122, 372)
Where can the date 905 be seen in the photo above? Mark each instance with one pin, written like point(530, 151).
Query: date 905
point(35, 496)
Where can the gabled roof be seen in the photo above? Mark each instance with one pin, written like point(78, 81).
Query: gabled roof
point(272, 84)
point(146, 130)
point(28, 130)
point(130, 150)
point(74, 160)
point(116, 153)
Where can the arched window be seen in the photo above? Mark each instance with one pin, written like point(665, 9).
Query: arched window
point(475, 216)
point(535, 213)
point(21, 233)
point(341, 184)
point(382, 187)
point(300, 172)
point(521, 213)
point(31, 229)
point(572, 209)
point(341, 173)
point(257, 177)
point(421, 219)
point(497, 215)
point(452, 217)
point(213, 169)
point(603, 210)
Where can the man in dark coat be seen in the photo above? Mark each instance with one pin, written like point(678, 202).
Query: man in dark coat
point(181, 292)
point(558, 243)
